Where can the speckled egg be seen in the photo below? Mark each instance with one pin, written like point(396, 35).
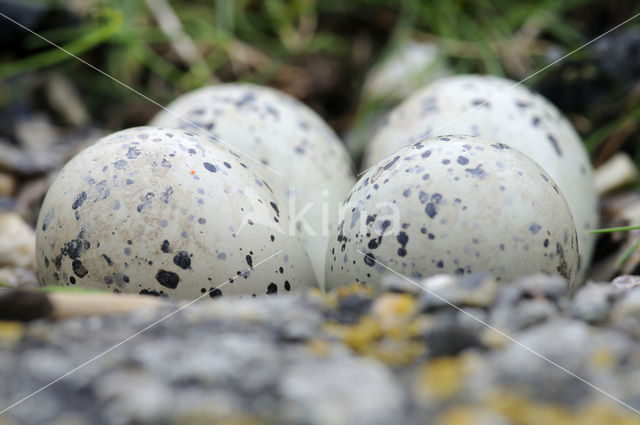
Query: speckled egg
point(305, 162)
point(453, 204)
point(166, 212)
point(493, 108)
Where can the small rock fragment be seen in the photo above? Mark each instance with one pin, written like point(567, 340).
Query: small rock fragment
point(594, 301)
point(477, 290)
point(617, 172)
point(7, 184)
point(36, 133)
point(64, 99)
point(626, 282)
point(17, 242)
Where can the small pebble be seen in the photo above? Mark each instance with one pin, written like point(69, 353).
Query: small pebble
point(17, 242)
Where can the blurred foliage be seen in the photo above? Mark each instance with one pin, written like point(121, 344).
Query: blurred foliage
point(320, 50)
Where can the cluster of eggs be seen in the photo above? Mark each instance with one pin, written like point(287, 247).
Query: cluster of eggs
point(219, 195)
point(241, 189)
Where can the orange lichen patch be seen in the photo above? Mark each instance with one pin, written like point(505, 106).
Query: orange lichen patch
point(441, 378)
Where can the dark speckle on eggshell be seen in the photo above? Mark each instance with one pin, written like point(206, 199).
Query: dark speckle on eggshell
point(182, 260)
point(167, 279)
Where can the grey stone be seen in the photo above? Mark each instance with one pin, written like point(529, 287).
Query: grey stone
point(453, 332)
point(476, 290)
point(546, 358)
point(593, 302)
point(341, 391)
point(522, 315)
point(625, 313)
point(552, 287)
point(626, 281)
point(130, 396)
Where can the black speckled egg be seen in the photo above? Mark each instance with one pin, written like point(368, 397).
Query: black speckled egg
point(302, 156)
point(453, 204)
point(497, 109)
point(165, 212)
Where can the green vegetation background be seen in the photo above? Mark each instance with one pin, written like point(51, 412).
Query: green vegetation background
point(320, 50)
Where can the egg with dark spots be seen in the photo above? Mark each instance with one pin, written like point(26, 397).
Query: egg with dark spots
point(509, 113)
point(178, 213)
point(497, 212)
point(303, 160)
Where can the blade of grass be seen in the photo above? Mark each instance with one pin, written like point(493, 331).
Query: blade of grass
point(612, 230)
point(624, 257)
point(54, 55)
point(597, 137)
point(72, 289)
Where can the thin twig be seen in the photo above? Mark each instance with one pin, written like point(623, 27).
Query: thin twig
point(182, 44)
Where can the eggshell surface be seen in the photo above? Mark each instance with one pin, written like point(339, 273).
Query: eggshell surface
point(500, 110)
point(453, 204)
point(166, 212)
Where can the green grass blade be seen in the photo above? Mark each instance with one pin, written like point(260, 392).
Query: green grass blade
point(54, 55)
point(624, 257)
point(612, 230)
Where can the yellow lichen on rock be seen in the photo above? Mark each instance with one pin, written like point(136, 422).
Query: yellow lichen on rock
point(603, 358)
point(10, 332)
point(606, 413)
point(441, 378)
point(331, 298)
point(393, 310)
point(319, 347)
point(387, 333)
point(522, 411)
point(469, 415)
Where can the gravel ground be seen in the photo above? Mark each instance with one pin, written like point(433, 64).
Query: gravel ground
point(352, 357)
